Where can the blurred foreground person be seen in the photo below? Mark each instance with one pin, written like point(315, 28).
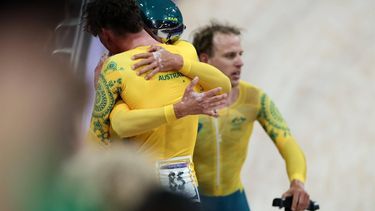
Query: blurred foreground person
point(117, 179)
point(42, 104)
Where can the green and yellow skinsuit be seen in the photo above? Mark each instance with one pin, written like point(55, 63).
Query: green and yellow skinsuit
point(222, 143)
point(128, 106)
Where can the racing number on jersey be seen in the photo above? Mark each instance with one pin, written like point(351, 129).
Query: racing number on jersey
point(176, 182)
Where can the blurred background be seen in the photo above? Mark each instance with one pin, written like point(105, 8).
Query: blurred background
point(315, 58)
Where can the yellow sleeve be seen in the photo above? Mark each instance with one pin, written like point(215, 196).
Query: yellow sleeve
point(188, 48)
point(209, 76)
point(127, 123)
point(275, 126)
point(108, 89)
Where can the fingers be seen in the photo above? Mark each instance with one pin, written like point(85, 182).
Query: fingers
point(286, 194)
point(159, 59)
point(149, 67)
point(154, 72)
point(303, 201)
point(295, 201)
point(215, 103)
point(203, 103)
point(301, 198)
point(212, 113)
point(142, 56)
point(143, 62)
point(151, 61)
point(192, 84)
point(217, 98)
point(218, 105)
point(212, 92)
point(154, 48)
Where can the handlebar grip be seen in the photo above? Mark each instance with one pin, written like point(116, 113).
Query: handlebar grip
point(287, 204)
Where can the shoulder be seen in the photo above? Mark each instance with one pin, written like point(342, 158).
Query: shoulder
point(113, 64)
point(186, 49)
point(183, 43)
point(250, 93)
point(112, 75)
point(249, 88)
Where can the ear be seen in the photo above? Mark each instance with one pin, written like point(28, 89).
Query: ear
point(105, 37)
point(105, 34)
point(203, 57)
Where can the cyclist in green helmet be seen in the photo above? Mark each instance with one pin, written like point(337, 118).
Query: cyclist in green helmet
point(163, 19)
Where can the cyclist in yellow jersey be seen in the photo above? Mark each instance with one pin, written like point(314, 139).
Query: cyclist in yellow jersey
point(222, 143)
point(151, 113)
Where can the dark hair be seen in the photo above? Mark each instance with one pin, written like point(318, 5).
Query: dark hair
point(203, 37)
point(121, 16)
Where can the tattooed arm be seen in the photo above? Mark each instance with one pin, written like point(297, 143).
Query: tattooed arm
point(108, 89)
point(275, 126)
point(277, 129)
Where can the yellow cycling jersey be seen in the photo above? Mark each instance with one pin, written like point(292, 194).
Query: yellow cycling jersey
point(128, 106)
point(222, 143)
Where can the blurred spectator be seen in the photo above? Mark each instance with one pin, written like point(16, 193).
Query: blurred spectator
point(41, 104)
point(116, 179)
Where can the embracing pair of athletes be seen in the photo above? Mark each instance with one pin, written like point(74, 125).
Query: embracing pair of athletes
point(152, 88)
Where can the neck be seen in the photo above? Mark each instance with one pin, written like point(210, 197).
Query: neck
point(135, 40)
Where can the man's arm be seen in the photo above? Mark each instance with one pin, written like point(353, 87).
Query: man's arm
point(275, 126)
point(160, 60)
point(126, 122)
point(210, 77)
point(107, 92)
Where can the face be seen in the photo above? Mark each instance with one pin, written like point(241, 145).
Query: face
point(227, 56)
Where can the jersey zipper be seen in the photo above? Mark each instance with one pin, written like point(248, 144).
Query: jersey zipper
point(218, 141)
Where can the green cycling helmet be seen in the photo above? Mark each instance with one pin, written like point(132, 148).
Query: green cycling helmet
point(163, 18)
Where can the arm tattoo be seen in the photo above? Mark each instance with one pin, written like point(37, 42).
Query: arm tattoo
point(271, 119)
